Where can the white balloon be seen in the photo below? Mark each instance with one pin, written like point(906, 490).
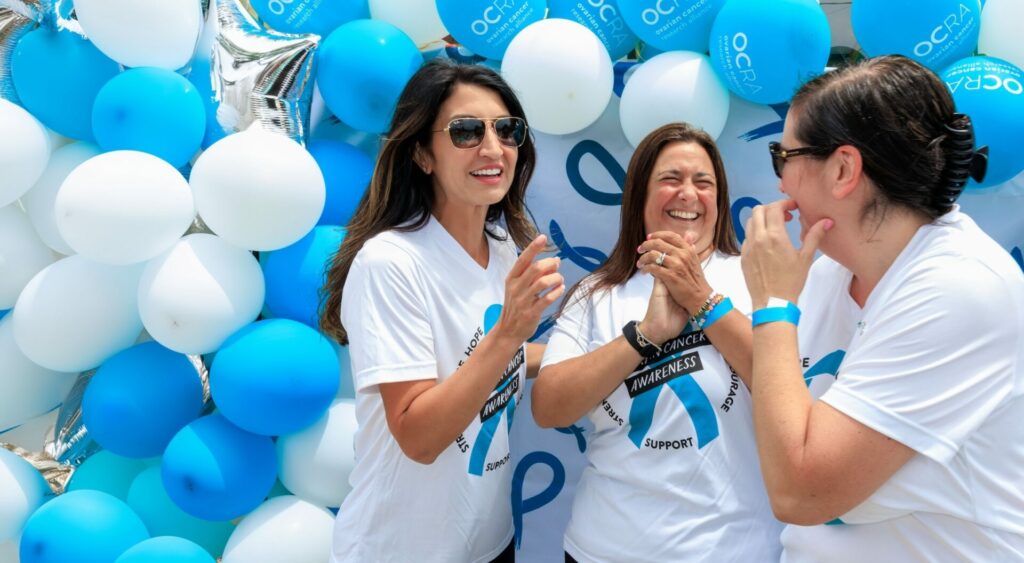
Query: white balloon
point(9, 552)
point(39, 200)
point(258, 190)
point(1000, 23)
point(160, 33)
point(417, 18)
point(22, 491)
point(562, 74)
point(22, 254)
point(27, 390)
point(670, 87)
point(76, 313)
point(283, 528)
point(198, 293)
point(315, 462)
point(24, 150)
point(123, 207)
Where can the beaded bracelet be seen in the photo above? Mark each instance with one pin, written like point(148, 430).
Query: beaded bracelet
point(717, 312)
point(698, 318)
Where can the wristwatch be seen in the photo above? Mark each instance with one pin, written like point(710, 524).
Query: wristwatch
point(638, 341)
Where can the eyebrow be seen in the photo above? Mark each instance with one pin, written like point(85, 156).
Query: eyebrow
point(698, 175)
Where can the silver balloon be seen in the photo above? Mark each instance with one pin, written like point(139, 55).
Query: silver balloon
point(260, 76)
point(13, 26)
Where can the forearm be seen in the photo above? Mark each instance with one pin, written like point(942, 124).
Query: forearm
point(534, 354)
point(731, 336)
point(564, 392)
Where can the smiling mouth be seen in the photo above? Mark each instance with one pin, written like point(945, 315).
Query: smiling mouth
point(684, 215)
point(486, 173)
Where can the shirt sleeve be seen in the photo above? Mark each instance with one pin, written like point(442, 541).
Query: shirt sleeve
point(384, 309)
point(935, 362)
point(571, 335)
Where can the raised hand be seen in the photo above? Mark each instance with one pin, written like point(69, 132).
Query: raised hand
point(680, 269)
point(530, 287)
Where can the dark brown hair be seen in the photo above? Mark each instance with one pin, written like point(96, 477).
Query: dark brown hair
point(401, 195)
point(621, 263)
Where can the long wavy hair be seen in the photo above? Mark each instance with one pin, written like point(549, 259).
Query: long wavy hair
point(401, 195)
point(621, 264)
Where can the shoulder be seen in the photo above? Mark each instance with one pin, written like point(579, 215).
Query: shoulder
point(390, 251)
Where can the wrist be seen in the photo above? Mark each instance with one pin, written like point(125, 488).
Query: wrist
point(650, 334)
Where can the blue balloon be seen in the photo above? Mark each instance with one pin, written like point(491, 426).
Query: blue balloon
point(57, 76)
point(306, 16)
point(165, 550)
point(991, 92)
point(274, 377)
point(672, 25)
point(764, 51)
point(347, 172)
point(487, 27)
point(80, 526)
point(934, 33)
point(295, 274)
point(214, 470)
point(364, 65)
point(140, 398)
point(151, 110)
point(106, 472)
point(600, 16)
point(148, 498)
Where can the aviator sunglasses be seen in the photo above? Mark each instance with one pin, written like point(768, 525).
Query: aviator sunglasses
point(468, 132)
point(779, 154)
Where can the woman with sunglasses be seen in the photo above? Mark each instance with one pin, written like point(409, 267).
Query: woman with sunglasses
point(911, 331)
point(429, 294)
point(646, 348)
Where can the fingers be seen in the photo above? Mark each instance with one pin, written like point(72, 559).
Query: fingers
point(672, 238)
point(526, 258)
point(546, 300)
point(544, 283)
point(813, 238)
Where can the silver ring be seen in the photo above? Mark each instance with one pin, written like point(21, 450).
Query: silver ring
point(660, 259)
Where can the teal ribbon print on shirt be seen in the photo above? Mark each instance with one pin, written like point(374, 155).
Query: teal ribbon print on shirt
point(673, 368)
point(502, 401)
point(828, 365)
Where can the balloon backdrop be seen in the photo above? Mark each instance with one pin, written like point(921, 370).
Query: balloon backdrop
point(364, 66)
point(165, 550)
point(150, 110)
point(27, 390)
point(58, 329)
point(24, 151)
point(934, 33)
point(258, 190)
point(39, 201)
point(487, 27)
point(315, 463)
point(347, 172)
point(991, 91)
point(416, 18)
point(22, 254)
point(562, 94)
point(81, 526)
point(140, 398)
point(106, 472)
point(274, 377)
point(295, 274)
point(602, 18)
point(156, 33)
point(671, 26)
point(194, 296)
point(309, 16)
point(764, 51)
point(22, 491)
point(673, 86)
point(214, 470)
point(1000, 25)
point(282, 529)
point(123, 207)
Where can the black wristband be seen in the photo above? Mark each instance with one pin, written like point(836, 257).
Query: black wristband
point(643, 346)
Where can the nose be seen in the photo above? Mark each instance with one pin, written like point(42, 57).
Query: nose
point(490, 147)
point(688, 192)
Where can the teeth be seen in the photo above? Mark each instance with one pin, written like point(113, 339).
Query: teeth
point(683, 214)
point(487, 172)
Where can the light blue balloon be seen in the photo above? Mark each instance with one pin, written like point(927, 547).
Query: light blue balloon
point(165, 550)
point(600, 16)
point(347, 388)
point(364, 65)
point(347, 171)
point(140, 398)
point(487, 27)
point(672, 25)
point(274, 377)
point(148, 498)
point(764, 51)
point(151, 110)
point(310, 16)
point(57, 76)
point(295, 274)
point(991, 92)
point(934, 33)
point(80, 526)
point(214, 470)
point(106, 472)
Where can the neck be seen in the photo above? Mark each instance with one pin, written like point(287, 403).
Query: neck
point(466, 226)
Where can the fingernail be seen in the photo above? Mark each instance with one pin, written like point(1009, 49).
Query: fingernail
point(829, 223)
point(648, 236)
point(638, 248)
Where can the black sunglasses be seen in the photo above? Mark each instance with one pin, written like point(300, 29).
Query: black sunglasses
point(779, 154)
point(468, 132)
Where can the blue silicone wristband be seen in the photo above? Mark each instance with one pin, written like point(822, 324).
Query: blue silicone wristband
point(720, 310)
point(790, 314)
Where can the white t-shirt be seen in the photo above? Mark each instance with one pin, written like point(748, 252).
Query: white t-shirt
point(935, 361)
point(672, 469)
point(415, 306)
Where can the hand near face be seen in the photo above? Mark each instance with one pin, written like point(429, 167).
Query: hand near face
point(680, 271)
point(772, 266)
point(530, 287)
